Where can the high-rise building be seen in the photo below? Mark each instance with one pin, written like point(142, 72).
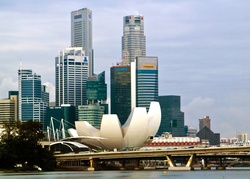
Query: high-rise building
point(133, 39)
point(32, 104)
point(8, 108)
point(204, 121)
point(96, 89)
point(133, 86)
point(81, 34)
point(96, 100)
point(92, 114)
point(172, 119)
point(120, 88)
point(71, 75)
point(144, 81)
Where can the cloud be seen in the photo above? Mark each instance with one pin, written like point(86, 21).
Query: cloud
point(202, 47)
point(7, 84)
point(227, 117)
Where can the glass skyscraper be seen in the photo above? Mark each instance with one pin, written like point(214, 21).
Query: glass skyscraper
point(96, 100)
point(172, 119)
point(144, 81)
point(71, 75)
point(96, 89)
point(120, 87)
point(81, 33)
point(32, 100)
point(133, 39)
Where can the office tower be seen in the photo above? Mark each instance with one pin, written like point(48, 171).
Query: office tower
point(133, 39)
point(71, 75)
point(205, 121)
point(172, 119)
point(97, 89)
point(81, 34)
point(120, 87)
point(14, 95)
point(31, 103)
point(96, 100)
point(92, 114)
point(8, 108)
point(144, 81)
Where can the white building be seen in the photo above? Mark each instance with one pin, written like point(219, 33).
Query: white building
point(71, 75)
point(133, 39)
point(81, 33)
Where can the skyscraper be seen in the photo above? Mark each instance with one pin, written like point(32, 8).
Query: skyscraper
point(81, 33)
point(144, 81)
point(172, 119)
point(97, 89)
point(133, 86)
point(32, 100)
point(120, 88)
point(8, 108)
point(204, 121)
point(133, 39)
point(96, 98)
point(71, 75)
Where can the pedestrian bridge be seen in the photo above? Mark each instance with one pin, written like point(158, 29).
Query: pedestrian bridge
point(167, 155)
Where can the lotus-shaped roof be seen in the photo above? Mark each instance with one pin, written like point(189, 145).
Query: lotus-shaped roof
point(137, 131)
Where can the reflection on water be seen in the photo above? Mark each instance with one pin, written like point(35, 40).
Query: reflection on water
point(157, 174)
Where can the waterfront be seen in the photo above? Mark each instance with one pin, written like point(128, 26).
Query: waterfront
point(213, 174)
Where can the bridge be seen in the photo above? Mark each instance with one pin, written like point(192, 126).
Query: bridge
point(217, 154)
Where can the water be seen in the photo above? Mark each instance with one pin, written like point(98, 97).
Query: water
point(156, 174)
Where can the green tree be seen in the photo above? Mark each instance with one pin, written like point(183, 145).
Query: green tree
point(20, 144)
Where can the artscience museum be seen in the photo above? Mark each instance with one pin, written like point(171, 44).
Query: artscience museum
point(139, 129)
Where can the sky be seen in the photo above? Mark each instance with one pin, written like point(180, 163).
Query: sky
point(203, 48)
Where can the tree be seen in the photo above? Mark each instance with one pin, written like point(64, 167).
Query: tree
point(20, 145)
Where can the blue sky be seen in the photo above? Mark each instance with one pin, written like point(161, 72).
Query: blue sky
point(202, 46)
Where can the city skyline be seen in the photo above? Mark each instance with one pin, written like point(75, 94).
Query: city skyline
point(202, 49)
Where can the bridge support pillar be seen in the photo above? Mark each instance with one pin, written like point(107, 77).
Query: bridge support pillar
point(220, 168)
point(91, 163)
point(172, 165)
point(137, 163)
point(204, 164)
point(123, 165)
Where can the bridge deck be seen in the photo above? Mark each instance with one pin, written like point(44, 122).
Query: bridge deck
point(155, 154)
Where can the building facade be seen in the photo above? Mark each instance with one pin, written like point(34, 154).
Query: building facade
point(172, 120)
point(133, 39)
point(92, 114)
point(144, 81)
point(96, 89)
point(71, 76)
point(32, 104)
point(120, 89)
point(207, 134)
point(96, 101)
point(9, 108)
point(81, 33)
point(204, 121)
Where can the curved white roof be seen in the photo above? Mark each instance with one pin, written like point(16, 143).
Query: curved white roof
point(136, 131)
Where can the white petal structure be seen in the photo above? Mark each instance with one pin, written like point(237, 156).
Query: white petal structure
point(137, 131)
